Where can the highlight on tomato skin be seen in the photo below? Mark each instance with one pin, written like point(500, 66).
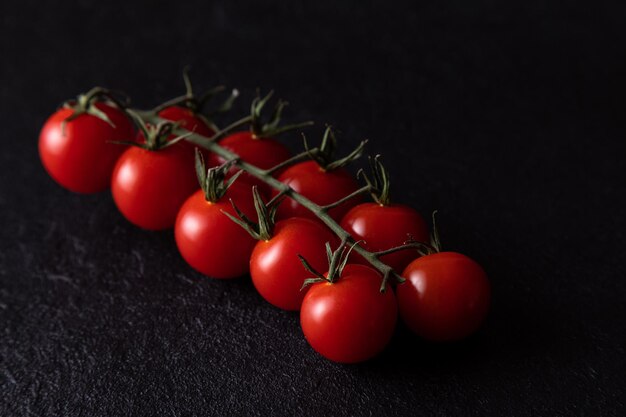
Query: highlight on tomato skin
point(350, 320)
point(380, 227)
point(78, 154)
point(275, 268)
point(208, 240)
point(445, 297)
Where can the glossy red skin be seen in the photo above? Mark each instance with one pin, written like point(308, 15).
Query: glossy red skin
point(275, 268)
point(150, 186)
point(187, 119)
point(321, 187)
point(263, 153)
point(211, 242)
point(350, 320)
point(384, 227)
point(83, 158)
point(445, 296)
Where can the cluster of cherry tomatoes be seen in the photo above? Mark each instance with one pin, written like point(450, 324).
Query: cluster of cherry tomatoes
point(228, 223)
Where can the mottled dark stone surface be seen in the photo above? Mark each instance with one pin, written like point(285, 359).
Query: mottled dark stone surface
point(508, 118)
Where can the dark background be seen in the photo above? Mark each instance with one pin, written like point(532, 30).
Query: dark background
point(508, 117)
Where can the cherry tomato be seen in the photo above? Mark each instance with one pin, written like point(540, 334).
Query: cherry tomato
point(445, 296)
point(382, 227)
point(150, 186)
point(321, 187)
point(349, 320)
point(190, 121)
point(81, 158)
point(264, 153)
point(275, 268)
point(211, 242)
point(187, 119)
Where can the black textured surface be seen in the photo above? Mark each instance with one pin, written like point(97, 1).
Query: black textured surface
point(508, 118)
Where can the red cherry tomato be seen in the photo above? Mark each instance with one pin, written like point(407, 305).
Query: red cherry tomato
point(321, 187)
point(190, 121)
point(445, 296)
point(350, 320)
point(150, 186)
point(187, 119)
point(264, 153)
point(211, 242)
point(382, 227)
point(275, 268)
point(82, 158)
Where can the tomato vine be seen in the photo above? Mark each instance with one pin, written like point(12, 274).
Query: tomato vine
point(264, 175)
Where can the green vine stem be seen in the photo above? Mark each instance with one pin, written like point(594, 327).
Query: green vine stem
point(212, 145)
point(296, 158)
point(363, 190)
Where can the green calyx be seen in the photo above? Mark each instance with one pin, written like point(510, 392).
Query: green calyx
point(337, 261)
point(156, 137)
point(262, 127)
point(197, 104)
point(324, 154)
point(213, 180)
point(423, 248)
point(378, 182)
point(85, 104)
point(266, 214)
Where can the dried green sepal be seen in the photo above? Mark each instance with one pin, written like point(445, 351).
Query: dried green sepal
point(379, 181)
point(156, 137)
point(196, 104)
point(85, 104)
point(337, 261)
point(213, 181)
point(262, 127)
point(266, 214)
point(435, 241)
point(324, 154)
